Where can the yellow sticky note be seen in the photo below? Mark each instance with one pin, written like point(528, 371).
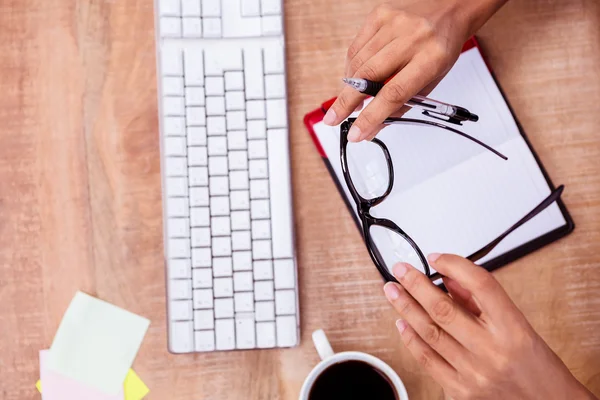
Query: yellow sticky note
point(134, 387)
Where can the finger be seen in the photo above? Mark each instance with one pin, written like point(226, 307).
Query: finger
point(461, 296)
point(431, 333)
point(343, 106)
point(427, 358)
point(440, 307)
point(372, 47)
point(394, 94)
point(396, 114)
point(491, 298)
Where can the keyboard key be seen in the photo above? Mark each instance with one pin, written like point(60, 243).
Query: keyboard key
point(180, 337)
point(172, 86)
point(223, 287)
point(271, 7)
point(177, 186)
point(196, 116)
point(180, 310)
point(285, 302)
point(261, 229)
point(221, 246)
point(178, 207)
point(275, 86)
point(219, 61)
point(276, 113)
point(274, 58)
point(196, 136)
point(205, 340)
point(241, 240)
point(255, 109)
point(215, 105)
point(263, 290)
point(179, 248)
point(178, 227)
point(281, 200)
point(257, 129)
point(199, 216)
point(174, 126)
point(263, 270)
point(222, 266)
point(180, 289)
point(176, 166)
point(198, 176)
point(234, 101)
point(219, 205)
point(257, 149)
point(221, 226)
point(180, 268)
point(219, 185)
point(216, 126)
point(212, 27)
point(192, 27)
point(194, 96)
point(215, 86)
point(240, 200)
point(173, 106)
point(261, 249)
point(238, 160)
point(236, 140)
point(234, 80)
point(242, 281)
point(265, 335)
point(238, 180)
point(244, 301)
point(197, 156)
point(211, 8)
point(224, 333)
point(264, 311)
point(236, 120)
point(259, 189)
point(171, 63)
point(259, 169)
point(217, 165)
point(259, 209)
point(287, 331)
point(224, 308)
point(201, 257)
point(244, 332)
point(272, 25)
point(194, 67)
point(285, 274)
point(240, 220)
point(202, 278)
point(200, 237)
point(175, 146)
point(204, 319)
point(253, 73)
point(242, 261)
point(199, 197)
point(190, 8)
point(250, 8)
point(170, 27)
point(203, 298)
point(169, 7)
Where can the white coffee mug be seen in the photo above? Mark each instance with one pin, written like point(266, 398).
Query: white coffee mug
point(328, 358)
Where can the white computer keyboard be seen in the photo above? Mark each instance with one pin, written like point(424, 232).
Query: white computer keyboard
point(231, 271)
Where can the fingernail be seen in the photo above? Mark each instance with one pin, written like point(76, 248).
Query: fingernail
point(354, 134)
point(401, 325)
point(400, 270)
point(433, 257)
point(330, 117)
point(391, 291)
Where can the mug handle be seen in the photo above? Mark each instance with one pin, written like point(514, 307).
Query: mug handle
point(322, 344)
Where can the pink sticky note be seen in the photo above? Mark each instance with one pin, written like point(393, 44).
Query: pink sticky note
point(58, 387)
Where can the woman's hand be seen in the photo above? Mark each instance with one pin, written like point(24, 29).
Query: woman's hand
point(475, 343)
point(419, 42)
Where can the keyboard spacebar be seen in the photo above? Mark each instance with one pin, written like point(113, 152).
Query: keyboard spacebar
point(281, 199)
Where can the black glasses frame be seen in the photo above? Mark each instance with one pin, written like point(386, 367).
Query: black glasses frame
point(364, 205)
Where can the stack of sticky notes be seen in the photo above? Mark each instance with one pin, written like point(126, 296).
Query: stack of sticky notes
point(92, 353)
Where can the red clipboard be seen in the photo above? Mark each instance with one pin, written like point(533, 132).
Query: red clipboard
point(316, 116)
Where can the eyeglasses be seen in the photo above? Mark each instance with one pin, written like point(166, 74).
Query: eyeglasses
point(386, 242)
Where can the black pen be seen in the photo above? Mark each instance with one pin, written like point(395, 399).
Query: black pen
point(455, 114)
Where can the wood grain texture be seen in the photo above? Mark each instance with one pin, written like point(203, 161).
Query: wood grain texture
point(80, 198)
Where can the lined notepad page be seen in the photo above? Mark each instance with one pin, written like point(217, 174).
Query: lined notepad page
point(451, 195)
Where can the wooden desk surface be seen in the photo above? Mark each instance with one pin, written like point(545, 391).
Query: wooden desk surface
point(80, 197)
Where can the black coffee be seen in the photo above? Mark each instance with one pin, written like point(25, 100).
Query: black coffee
point(352, 380)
